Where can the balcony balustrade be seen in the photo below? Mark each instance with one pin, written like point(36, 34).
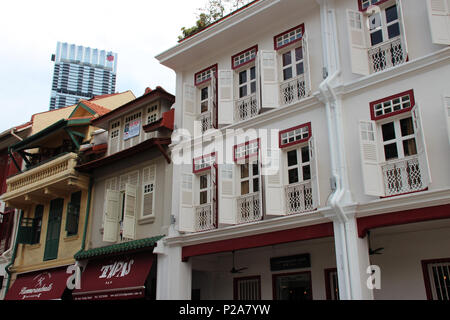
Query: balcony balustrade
point(403, 176)
point(205, 218)
point(299, 197)
point(293, 90)
point(386, 55)
point(246, 108)
point(249, 208)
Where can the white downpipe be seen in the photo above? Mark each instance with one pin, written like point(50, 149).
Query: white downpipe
point(334, 136)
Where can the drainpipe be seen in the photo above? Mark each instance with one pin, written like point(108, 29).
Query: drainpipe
point(332, 104)
point(86, 219)
point(15, 135)
point(13, 257)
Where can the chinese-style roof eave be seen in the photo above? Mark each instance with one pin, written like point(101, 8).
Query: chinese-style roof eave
point(119, 248)
point(165, 122)
point(153, 142)
point(159, 92)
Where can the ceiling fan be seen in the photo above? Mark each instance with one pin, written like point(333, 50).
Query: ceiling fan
point(233, 269)
point(373, 251)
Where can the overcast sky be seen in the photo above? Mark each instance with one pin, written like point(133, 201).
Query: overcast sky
point(137, 30)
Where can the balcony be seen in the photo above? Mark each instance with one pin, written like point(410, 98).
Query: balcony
point(386, 55)
point(246, 108)
point(46, 181)
point(293, 90)
point(205, 217)
point(206, 121)
point(248, 208)
point(299, 198)
point(403, 176)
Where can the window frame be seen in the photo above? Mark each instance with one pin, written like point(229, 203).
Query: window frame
point(201, 164)
point(293, 65)
point(236, 286)
point(299, 165)
point(373, 104)
point(212, 70)
point(377, 3)
point(275, 42)
point(247, 153)
point(384, 26)
point(248, 83)
point(426, 275)
point(250, 178)
point(243, 52)
point(276, 275)
point(295, 142)
point(398, 140)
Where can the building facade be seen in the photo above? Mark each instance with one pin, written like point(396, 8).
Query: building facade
point(313, 163)
point(81, 73)
point(51, 199)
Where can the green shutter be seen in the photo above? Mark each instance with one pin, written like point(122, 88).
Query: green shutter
point(73, 214)
point(25, 233)
point(37, 223)
point(53, 229)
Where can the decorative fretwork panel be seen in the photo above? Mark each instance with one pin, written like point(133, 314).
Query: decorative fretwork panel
point(386, 55)
point(403, 176)
point(246, 108)
point(206, 121)
point(293, 90)
point(248, 208)
point(205, 218)
point(299, 197)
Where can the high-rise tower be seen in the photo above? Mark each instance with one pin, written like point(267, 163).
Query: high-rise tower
point(81, 73)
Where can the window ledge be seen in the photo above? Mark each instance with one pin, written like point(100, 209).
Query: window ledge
point(71, 238)
point(146, 220)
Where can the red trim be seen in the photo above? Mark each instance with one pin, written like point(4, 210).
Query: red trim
point(165, 122)
point(402, 217)
point(235, 280)
point(259, 240)
point(243, 144)
point(247, 62)
point(274, 277)
point(327, 281)
point(398, 95)
point(287, 31)
point(426, 276)
point(202, 157)
point(206, 69)
point(376, 4)
point(280, 145)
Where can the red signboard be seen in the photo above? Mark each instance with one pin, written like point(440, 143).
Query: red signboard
point(41, 285)
point(118, 277)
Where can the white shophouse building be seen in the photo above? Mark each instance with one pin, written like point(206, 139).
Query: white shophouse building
point(355, 97)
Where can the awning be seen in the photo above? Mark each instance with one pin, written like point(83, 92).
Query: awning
point(117, 277)
point(40, 285)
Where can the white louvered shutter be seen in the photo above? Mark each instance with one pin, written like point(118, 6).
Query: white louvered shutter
point(214, 193)
point(306, 63)
point(358, 47)
point(370, 159)
point(225, 97)
point(439, 20)
point(213, 95)
point(111, 212)
point(148, 191)
point(447, 114)
point(274, 186)
point(189, 106)
point(421, 145)
point(187, 213)
point(227, 194)
point(129, 217)
point(269, 79)
point(312, 144)
point(401, 22)
point(114, 137)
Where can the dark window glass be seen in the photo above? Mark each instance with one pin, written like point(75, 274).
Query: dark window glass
point(305, 154)
point(409, 147)
point(255, 168)
point(205, 93)
point(203, 182)
point(253, 87)
point(300, 69)
point(243, 77)
point(203, 197)
point(244, 171)
point(255, 185)
point(293, 176)
point(390, 151)
point(388, 131)
point(252, 73)
point(376, 37)
point(306, 172)
point(287, 73)
point(391, 14)
point(287, 60)
point(393, 30)
point(242, 91)
point(298, 53)
point(292, 158)
point(406, 126)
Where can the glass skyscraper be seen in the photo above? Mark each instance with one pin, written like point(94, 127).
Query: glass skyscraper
point(81, 73)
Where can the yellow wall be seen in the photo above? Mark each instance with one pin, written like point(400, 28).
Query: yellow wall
point(31, 257)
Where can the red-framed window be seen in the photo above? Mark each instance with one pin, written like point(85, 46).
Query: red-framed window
point(203, 163)
point(363, 5)
point(244, 57)
point(205, 75)
point(246, 150)
point(247, 288)
point(393, 105)
point(436, 274)
point(288, 37)
point(294, 135)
